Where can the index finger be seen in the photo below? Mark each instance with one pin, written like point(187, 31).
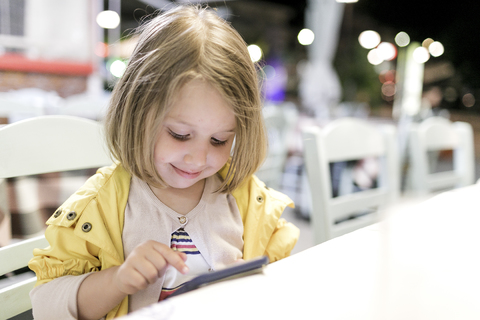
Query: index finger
point(173, 258)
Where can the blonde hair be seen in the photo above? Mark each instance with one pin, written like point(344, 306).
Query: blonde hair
point(185, 43)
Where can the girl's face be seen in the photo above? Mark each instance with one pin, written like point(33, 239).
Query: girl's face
point(195, 137)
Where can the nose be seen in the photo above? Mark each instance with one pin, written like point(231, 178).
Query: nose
point(196, 155)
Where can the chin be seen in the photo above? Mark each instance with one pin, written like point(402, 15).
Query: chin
point(183, 184)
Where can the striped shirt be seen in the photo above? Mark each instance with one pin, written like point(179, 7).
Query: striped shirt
point(182, 242)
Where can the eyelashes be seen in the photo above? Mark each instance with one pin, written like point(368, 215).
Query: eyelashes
point(185, 137)
point(178, 136)
point(217, 142)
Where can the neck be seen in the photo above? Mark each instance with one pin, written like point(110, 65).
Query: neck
point(181, 200)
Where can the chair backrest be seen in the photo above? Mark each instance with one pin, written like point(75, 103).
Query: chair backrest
point(280, 121)
point(40, 145)
point(341, 140)
point(437, 134)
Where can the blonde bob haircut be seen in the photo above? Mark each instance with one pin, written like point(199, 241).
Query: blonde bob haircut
point(185, 43)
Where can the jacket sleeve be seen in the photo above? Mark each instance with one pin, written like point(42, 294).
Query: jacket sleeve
point(85, 235)
point(265, 232)
point(282, 241)
point(60, 269)
point(67, 255)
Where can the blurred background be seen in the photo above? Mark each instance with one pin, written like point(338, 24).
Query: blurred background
point(394, 62)
point(69, 48)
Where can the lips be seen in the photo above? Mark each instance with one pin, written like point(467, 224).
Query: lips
point(185, 174)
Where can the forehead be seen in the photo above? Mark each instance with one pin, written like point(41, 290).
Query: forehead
point(199, 103)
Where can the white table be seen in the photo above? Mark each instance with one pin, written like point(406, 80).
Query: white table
point(420, 264)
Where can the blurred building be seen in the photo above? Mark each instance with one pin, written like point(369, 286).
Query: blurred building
point(48, 44)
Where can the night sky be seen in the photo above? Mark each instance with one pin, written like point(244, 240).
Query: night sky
point(455, 24)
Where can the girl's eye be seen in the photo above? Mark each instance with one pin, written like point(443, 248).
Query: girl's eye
point(178, 136)
point(217, 142)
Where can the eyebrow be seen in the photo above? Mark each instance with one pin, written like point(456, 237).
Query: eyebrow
point(189, 124)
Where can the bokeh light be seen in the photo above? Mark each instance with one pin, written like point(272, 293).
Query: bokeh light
point(108, 19)
point(427, 42)
point(117, 68)
point(369, 39)
point(373, 57)
point(255, 52)
point(305, 37)
point(387, 75)
point(388, 90)
point(387, 51)
point(450, 94)
point(421, 55)
point(269, 71)
point(402, 39)
point(436, 49)
point(468, 100)
point(101, 49)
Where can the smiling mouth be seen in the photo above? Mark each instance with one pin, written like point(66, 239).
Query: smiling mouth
point(185, 174)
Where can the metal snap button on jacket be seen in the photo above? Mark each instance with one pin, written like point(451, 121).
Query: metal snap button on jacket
point(57, 213)
point(260, 199)
point(71, 215)
point(86, 227)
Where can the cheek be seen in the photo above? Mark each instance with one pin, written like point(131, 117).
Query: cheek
point(163, 149)
point(221, 156)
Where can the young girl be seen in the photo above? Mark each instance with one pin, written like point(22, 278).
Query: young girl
point(185, 126)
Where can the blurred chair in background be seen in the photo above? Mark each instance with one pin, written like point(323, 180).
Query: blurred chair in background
point(26, 103)
point(34, 146)
point(426, 140)
point(86, 106)
point(13, 110)
point(16, 105)
point(351, 109)
point(280, 121)
point(349, 139)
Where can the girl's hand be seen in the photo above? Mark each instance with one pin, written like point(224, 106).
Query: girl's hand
point(147, 262)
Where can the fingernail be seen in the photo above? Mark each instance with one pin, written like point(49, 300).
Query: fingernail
point(185, 270)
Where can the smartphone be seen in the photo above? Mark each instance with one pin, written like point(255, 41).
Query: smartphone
point(237, 270)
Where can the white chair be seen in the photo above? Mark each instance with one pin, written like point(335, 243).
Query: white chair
point(280, 121)
point(40, 145)
point(343, 140)
point(434, 135)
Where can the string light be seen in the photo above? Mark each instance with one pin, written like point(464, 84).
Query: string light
point(402, 39)
point(255, 52)
point(108, 19)
point(369, 39)
point(305, 37)
point(436, 49)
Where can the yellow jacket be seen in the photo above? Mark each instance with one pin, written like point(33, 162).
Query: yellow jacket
point(85, 233)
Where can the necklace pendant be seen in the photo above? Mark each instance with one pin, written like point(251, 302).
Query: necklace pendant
point(182, 219)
